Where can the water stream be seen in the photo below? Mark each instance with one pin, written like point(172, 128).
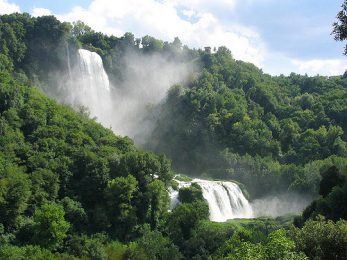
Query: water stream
point(225, 199)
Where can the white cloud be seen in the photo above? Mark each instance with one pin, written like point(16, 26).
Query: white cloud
point(7, 8)
point(321, 66)
point(162, 20)
point(189, 13)
point(198, 24)
point(204, 5)
point(279, 63)
point(40, 12)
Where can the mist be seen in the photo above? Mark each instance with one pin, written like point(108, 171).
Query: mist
point(128, 105)
point(125, 105)
point(280, 204)
point(148, 77)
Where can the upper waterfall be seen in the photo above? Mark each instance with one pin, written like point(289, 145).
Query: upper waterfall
point(91, 67)
point(225, 199)
point(90, 86)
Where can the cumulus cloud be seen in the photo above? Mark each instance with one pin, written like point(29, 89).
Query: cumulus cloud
point(7, 8)
point(162, 20)
point(189, 13)
point(40, 12)
point(321, 66)
point(198, 23)
point(277, 63)
point(215, 6)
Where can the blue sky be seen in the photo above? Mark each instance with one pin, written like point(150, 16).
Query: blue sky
point(56, 6)
point(302, 24)
point(279, 36)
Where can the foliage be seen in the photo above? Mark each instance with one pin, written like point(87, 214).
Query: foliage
point(190, 194)
point(322, 239)
point(49, 226)
point(235, 122)
point(26, 252)
point(277, 245)
point(62, 173)
point(14, 195)
point(93, 247)
point(156, 246)
point(230, 121)
point(331, 204)
point(339, 27)
point(71, 189)
point(184, 218)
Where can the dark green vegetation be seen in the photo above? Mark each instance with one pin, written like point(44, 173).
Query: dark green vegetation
point(333, 200)
point(71, 189)
point(64, 175)
point(269, 133)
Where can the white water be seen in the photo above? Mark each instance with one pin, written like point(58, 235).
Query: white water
point(225, 199)
point(68, 61)
point(92, 69)
point(173, 194)
point(129, 105)
point(90, 87)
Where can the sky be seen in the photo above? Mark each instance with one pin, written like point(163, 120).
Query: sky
point(279, 36)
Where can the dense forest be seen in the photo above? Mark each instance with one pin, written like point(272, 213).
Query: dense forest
point(72, 189)
point(236, 122)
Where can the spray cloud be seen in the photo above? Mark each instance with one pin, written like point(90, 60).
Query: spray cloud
point(124, 105)
point(280, 204)
point(148, 78)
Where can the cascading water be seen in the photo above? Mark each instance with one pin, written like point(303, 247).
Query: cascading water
point(225, 199)
point(93, 70)
point(90, 86)
point(68, 61)
point(173, 194)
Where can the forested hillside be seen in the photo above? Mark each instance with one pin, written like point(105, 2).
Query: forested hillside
point(236, 122)
point(55, 161)
point(72, 189)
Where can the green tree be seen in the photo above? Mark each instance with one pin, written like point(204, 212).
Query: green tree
point(158, 201)
point(340, 27)
point(157, 246)
point(322, 239)
point(150, 44)
point(280, 246)
point(5, 63)
point(120, 195)
point(75, 214)
point(14, 195)
point(26, 252)
point(50, 226)
point(190, 194)
point(330, 179)
point(333, 189)
point(79, 28)
point(45, 186)
point(184, 219)
point(90, 247)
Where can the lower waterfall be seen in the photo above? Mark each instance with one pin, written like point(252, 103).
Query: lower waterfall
point(225, 199)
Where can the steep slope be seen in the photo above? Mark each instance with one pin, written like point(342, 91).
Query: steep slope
point(51, 154)
point(235, 122)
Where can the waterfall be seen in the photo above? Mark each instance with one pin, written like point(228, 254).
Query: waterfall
point(68, 61)
point(93, 70)
point(225, 199)
point(173, 194)
point(90, 86)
